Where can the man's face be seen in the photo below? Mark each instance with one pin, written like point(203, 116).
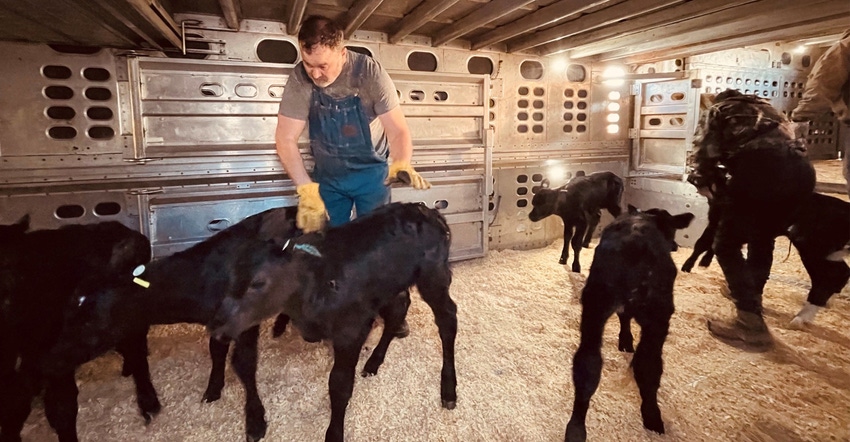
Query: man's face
point(323, 64)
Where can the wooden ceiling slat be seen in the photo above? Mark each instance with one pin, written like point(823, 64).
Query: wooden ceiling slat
point(422, 14)
point(487, 13)
point(159, 19)
point(589, 22)
point(232, 11)
point(359, 12)
point(544, 16)
point(296, 16)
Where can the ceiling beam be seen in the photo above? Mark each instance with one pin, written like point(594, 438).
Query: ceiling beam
point(542, 17)
point(655, 19)
point(358, 13)
point(487, 13)
point(743, 20)
point(607, 16)
point(159, 18)
point(422, 14)
point(108, 6)
point(232, 11)
point(296, 16)
point(833, 25)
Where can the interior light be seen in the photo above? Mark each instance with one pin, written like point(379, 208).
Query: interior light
point(613, 76)
point(559, 64)
point(613, 107)
point(556, 174)
point(612, 128)
point(613, 118)
point(614, 95)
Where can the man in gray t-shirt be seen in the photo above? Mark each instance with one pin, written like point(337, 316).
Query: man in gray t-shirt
point(350, 105)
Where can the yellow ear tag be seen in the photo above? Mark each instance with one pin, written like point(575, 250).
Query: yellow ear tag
point(136, 273)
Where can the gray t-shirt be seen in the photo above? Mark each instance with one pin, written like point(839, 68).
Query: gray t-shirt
point(376, 90)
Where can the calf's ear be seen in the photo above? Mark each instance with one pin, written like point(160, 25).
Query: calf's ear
point(633, 210)
point(683, 220)
point(545, 183)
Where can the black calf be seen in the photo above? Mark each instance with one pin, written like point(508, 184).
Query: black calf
point(333, 286)
point(185, 287)
point(632, 274)
point(40, 271)
point(579, 203)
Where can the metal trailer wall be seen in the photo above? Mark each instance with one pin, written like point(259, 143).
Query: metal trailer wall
point(183, 147)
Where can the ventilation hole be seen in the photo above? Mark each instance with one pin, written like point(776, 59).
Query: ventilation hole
point(75, 49)
point(677, 121)
point(537, 177)
point(581, 128)
point(522, 202)
point(568, 116)
point(417, 95)
point(492, 116)
point(677, 96)
point(582, 105)
point(101, 132)
point(522, 103)
point(568, 105)
point(359, 50)
point(96, 74)
point(806, 61)
point(539, 91)
point(56, 72)
point(522, 191)
point(107, 209)
point(655, 121)
point(582, 93)
point(581, 116)
point(568, 128)
point(576, 73)
point(538, 129)
point(492, 103)
point(218, 224)
point(422, 61)
point(522, 128)
point(538, 104)
point(569, 93)
point(275, 91)
point(480, 65)
point(441, 204)
point(522, 179)
point(99, 113)
point(61, 112)
point(656, 98)
point(491, 206)
point(522, 116)
point(212, 90)
point(739, 81)
point(245, 90)
point(441, 96)
point(58, 92)
point(62, 132)
point(68, 211)
point(523, 90)
point(775, 83)
point(536, 189)
point(531, 70)
point(98, 93)
point(537, 116)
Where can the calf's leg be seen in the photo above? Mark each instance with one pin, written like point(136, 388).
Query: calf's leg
point(587, 365)
point(280, 325)
point(625, 341)
point(393, 314)
point(134, 350)
point(648, 366)
point(568, 235)
point(592, 222)
point(576, 242)
point(244, 362)
point(60, 406)
point(218, 357)
point(347, 342)
point(434, 288)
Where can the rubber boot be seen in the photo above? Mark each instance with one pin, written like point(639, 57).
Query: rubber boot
point(748, 328)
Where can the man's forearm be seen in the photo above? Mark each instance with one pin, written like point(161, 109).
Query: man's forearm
point(292, 162)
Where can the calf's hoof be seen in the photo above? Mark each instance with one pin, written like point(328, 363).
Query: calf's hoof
point(747, 328)
point(212, 395)
point(149, 407)
point(576, 268)
point(575, 432)
point(402, 331)
point(562, 261)
point(687, 266)
point(652, 419)
point(627, 347)
point(449, 405)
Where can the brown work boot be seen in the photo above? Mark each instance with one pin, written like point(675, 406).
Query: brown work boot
point(747, 328)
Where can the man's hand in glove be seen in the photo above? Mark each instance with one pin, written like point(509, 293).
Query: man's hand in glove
point(404, 172)
point(311, 209)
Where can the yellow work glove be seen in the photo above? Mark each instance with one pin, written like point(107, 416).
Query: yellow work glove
point(311, 209)
point(404, 167)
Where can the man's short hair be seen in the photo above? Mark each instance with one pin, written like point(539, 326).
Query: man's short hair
point(319, 31)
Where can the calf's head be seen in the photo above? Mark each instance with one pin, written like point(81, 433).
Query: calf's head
point(544, 203)
point(666, 223)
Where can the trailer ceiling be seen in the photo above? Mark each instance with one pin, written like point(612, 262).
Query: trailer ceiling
point(625, 30)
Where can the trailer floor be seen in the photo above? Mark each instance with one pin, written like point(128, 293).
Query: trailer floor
point(518, 316)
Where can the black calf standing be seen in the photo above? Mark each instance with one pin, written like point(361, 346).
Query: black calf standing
point(40, 271)
point(333, 286)
point(632, 273)
point(185, 287)
point(579, 203)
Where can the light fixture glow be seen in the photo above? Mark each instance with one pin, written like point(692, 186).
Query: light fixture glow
point(612, 128)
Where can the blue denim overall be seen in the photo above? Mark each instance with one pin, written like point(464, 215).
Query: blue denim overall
point(349, 170)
